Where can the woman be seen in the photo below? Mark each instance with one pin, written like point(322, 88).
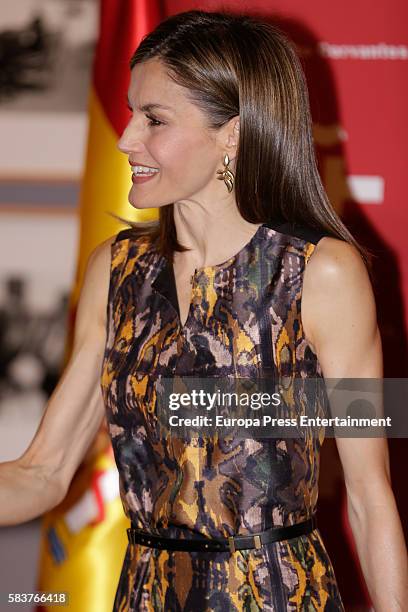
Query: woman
point(240, 278)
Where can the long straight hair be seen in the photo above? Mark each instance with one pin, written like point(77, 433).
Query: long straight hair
point(236, 65)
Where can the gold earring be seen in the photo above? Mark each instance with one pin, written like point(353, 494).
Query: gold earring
point(226, 175)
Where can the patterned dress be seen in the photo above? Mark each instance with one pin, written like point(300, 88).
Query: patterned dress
point(243, 321)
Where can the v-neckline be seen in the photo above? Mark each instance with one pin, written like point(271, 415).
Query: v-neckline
point(177, 303)
point(165, 282)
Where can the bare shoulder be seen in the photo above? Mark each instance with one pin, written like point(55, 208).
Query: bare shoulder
point(93, 297)
point(97, 272)
point(335, 269)
point(100, 256)
point(335, 260)
point(336, 290)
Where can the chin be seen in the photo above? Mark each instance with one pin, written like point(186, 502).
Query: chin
point(148, 206)
point(140, 206)
point(140, 203)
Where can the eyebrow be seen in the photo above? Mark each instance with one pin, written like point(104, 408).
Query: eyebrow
point(150, 106)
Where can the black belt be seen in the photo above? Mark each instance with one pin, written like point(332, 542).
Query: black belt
point(233, 543)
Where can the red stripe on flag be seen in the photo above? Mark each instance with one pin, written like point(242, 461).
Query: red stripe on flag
point(123, 23)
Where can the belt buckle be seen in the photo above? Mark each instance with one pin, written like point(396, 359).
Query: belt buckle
point(257, 541)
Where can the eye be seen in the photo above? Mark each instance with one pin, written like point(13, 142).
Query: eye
point(154, 122)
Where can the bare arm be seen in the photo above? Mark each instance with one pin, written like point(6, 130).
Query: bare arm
point(339, 317)
point(39, 479)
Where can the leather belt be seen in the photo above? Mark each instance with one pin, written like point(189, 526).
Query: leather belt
point(233, 543)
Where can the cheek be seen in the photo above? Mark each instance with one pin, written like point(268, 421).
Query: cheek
point(179, 152)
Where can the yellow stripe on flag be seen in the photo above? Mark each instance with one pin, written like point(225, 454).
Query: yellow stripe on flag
point(82, 549)
point(84, 539)
point(105, 187)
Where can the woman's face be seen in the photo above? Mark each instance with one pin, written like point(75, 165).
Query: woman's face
point(172, 138)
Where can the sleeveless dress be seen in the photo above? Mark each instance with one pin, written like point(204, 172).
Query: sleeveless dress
point(243, 320)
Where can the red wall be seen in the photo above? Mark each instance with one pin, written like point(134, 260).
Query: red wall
point(359, 107)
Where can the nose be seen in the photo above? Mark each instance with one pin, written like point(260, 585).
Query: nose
point(129, 141)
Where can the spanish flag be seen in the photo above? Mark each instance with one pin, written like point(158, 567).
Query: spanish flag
point(84, 539)
point(106, 182)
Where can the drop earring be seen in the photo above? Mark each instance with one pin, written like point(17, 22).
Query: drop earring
point(226, 175)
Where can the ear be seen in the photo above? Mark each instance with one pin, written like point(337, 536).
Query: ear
point(230, 137)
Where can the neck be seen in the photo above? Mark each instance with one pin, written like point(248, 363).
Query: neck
point(213, 235)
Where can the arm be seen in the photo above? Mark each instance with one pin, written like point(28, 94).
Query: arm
point(342, 328)
point(39, 479)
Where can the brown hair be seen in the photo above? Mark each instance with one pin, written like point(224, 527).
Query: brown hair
point(236, 65)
